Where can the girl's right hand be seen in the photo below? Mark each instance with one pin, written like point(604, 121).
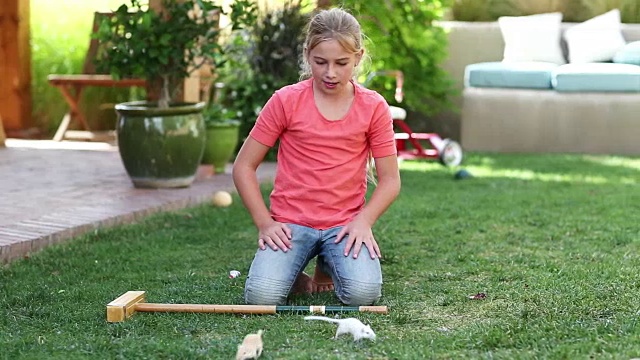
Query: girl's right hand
point(275, 235)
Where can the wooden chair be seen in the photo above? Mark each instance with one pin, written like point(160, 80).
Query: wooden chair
point(71, 87)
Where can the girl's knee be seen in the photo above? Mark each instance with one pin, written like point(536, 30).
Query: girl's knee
point(356, 293)
point(264, 291)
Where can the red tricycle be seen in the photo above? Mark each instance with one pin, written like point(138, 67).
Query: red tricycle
point(413, 145)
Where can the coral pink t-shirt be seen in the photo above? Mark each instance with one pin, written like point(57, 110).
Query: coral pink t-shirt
point(321, 173)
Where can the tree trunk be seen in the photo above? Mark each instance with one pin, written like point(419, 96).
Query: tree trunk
point(15, 65)
point(324, 4)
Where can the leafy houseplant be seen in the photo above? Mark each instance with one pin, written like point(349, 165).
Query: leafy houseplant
point(161, 141)
point(163, 47)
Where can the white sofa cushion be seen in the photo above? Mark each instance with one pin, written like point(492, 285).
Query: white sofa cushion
point(597, 39)
point(629, 54)
point(532, 38)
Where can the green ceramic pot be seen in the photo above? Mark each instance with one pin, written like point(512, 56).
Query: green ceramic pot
point(222, 140)
point(160, 148)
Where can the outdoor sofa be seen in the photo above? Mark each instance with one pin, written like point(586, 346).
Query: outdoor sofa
point(510, 104)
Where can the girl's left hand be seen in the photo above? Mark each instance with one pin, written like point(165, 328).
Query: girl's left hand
point(359, 233)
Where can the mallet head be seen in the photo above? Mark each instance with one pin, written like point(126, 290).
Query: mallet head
point(124, 306)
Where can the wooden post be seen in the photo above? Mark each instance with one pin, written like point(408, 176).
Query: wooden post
point(155, 5)
point(3, 136)
point(15, 65)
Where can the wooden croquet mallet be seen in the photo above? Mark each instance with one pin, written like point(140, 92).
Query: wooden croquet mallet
point(132, 301)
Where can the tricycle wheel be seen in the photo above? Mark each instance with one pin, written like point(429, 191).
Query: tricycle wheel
point(451, 153)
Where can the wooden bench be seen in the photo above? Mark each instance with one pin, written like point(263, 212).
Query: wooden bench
point(71, 87)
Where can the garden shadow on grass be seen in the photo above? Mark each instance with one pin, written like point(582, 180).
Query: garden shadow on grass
point(559, 167)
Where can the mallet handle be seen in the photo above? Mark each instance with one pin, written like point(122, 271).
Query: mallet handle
point(316, 309)
point(207, 308)
point(253, 309)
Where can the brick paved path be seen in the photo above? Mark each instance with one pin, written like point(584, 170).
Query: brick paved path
point(50, 195)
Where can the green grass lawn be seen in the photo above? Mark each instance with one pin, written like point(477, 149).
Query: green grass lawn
point(553, 242)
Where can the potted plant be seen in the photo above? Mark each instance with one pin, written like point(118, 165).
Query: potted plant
point(222, 129)
point(161, 140)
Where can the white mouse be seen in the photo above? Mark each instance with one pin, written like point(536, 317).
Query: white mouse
point(251, 347)
point(351, 326)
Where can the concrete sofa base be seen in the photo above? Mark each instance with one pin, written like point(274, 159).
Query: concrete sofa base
point(522, 120)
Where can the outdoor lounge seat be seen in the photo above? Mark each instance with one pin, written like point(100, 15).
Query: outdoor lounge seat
point(71, 87)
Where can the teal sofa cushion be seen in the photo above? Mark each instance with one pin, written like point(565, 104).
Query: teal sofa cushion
point(528, 75)
point(597, 77)
point(629, 54)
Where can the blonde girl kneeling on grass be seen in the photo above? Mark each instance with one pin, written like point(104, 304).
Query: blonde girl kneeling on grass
point(328, 126)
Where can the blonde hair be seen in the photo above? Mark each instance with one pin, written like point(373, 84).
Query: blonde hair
point(332, 24)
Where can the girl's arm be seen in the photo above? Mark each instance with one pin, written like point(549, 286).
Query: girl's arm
point(385, 193)
point(274, 234)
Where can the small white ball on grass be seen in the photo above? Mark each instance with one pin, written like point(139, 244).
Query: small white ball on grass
point(222, 199)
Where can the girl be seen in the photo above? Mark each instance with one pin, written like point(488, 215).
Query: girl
point(328, 126)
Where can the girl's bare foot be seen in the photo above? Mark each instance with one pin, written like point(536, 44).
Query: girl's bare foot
point(320, 282)
point(302, 285)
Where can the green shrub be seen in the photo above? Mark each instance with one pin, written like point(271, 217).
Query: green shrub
point(573, 10)
point(629, 9)
point(402, 37)
point(499, 8)
point(471, 10)
point(263, 59)
point(631, 12)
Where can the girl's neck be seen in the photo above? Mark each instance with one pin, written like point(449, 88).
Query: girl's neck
point(334, 106)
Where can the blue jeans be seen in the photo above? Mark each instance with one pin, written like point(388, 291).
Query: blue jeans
point(356, 281)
